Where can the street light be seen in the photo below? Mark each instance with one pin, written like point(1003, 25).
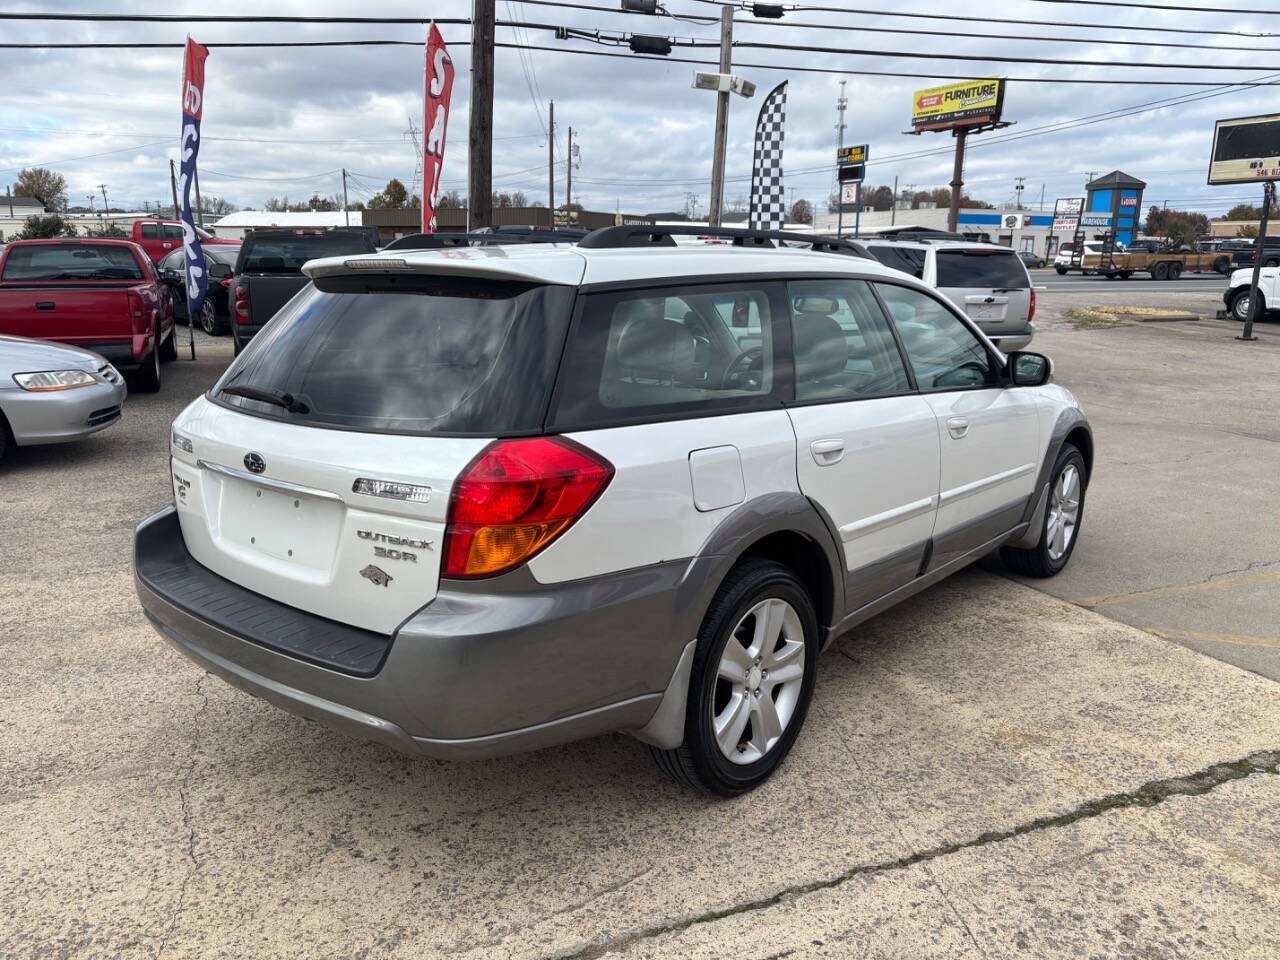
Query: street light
point(724, 83)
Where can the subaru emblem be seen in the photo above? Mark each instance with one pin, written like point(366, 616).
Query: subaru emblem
point(254, 463)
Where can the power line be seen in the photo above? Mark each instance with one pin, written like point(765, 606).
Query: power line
point(982, 57)
point(1160, 6)
point(861, 28)
point(834, 71)
point(1116, 27)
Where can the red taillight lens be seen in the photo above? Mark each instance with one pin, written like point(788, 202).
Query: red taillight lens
point(514, 499)
point(135, 305)
point(242, 303)
point(1032, 315)
point(226, 282)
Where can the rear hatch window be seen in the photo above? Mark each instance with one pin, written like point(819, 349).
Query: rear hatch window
point(989, 269)
point(72, 261)
point(288, 254)
point(412, 355)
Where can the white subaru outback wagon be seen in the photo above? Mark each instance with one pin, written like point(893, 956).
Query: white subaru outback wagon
point(478, 500)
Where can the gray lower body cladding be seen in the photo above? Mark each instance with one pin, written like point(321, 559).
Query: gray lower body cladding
point(486, 668)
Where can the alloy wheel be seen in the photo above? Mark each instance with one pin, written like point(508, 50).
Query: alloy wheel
point(758, 681)
point(208, 318)
point(1064, 512)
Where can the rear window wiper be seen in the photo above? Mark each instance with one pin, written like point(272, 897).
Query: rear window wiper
point(266, 395)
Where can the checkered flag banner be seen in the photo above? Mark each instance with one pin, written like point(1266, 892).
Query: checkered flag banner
point(768, 198)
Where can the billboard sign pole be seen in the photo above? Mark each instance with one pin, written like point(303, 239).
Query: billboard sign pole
point(1268, 198)
point(851, 170)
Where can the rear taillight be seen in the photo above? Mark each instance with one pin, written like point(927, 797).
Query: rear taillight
point(1032, 315)
point(514, 499)
point(242, 303)
point(226, 282)
point(135, 306)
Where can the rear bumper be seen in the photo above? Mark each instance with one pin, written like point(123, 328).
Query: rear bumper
point(519, 667)
point(37, 418)
point(1017, 340)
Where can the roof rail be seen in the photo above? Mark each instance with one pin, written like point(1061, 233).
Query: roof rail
point(921, 235)
point(437, 241)
point(642, 235)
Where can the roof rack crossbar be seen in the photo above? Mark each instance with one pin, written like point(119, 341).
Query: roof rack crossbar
point(641, 235)
point(439, 241)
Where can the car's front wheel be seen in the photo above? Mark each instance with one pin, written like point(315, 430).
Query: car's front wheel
point(1061, 525)
point(751, 683)
point(209, 318)
point(1240, 302)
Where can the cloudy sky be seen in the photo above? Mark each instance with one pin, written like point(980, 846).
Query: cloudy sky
point(283, 121)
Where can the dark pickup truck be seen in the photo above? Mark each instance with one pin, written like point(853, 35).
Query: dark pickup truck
point(1246, 256)
point(268, 271)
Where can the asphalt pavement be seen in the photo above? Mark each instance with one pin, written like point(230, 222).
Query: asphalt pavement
point(1078, 284)
point(989, 770)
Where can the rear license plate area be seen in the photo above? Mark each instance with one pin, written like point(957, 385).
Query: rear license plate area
point(293, 528)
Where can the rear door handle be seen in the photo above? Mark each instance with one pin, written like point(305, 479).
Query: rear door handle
point(827, 452)
point(958, 427)
point(44, 304)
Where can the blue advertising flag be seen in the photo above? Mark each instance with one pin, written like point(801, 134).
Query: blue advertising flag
point(189, 148)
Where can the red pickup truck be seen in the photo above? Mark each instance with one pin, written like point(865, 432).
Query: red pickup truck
point(159, 238)
point(101, 295)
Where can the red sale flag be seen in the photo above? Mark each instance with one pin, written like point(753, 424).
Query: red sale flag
point(437, 88)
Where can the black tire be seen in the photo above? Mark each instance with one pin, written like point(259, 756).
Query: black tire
point(169, 348)
point(1273, 262)
point(1175, 271)
point(1112, 276)
point(146, 379)
point(6, 438)
point(699, 763)
point(1222, 265)
point(1160, 270)
point(1037, 561)
point(1062, 271)
point(1239, 305)
point(1126, 274)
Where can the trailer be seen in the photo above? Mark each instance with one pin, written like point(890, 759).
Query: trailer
point(1161, 264)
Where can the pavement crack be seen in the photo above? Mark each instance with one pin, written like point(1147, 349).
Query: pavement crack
point(1091, 603)
point(188, 825)
point(1149, 794)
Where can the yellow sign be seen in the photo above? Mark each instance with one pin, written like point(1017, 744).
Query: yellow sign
point(849, 155)
point(963, 103)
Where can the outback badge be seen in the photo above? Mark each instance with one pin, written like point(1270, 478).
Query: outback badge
point(376, 575)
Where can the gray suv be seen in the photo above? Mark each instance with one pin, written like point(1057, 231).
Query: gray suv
point(988, 282)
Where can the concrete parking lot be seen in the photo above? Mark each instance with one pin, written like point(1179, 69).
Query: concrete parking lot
point(994, 769)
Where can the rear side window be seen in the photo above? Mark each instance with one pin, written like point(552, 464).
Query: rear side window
point(150, 231)
point(288, 254)
point(72, 261)
point(172, 231)
point(944, 353)
point(698, 350)
point(408, 355)
point(907, 259)
point(980, 268)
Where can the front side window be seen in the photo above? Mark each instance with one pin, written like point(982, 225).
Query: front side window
point(150, 231)
point(844, 349)
point(413, 355)
point(173, 231)
point(944, 353)
point(174, 261)
point(693, 350)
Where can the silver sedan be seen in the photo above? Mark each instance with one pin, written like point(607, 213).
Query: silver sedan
point(50, 393)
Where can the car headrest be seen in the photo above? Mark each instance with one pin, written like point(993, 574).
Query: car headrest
point(821, 349)
point(656, 347)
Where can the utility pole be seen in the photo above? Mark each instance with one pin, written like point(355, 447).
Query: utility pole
point(841, 103)
point(893, 207)
point(346, 210)
point(1042, 198)
point(568, 176)
point(8, 192)
point(551, 161)
point(1019, 186)
point(173, 185)
point(716, 206)
point(103, 188)
point(957, 179)
point(480, 190)
point(91, 197)
point(1091, 177)
point(195, 177)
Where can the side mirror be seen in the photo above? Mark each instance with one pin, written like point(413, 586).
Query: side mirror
point(1030, 369)
point(219, 271)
